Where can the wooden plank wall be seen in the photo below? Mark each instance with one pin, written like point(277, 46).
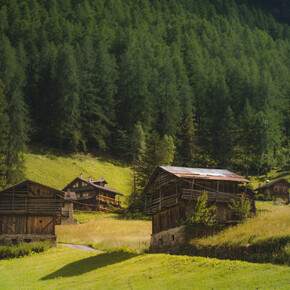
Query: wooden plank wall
point(168, 219)
point(11, 225)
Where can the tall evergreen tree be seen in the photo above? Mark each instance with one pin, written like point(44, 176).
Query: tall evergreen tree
point(67, 116)
point(4, 136)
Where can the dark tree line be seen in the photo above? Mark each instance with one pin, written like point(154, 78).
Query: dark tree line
point(211, 76)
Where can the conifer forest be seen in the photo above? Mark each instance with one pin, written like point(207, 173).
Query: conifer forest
point(198, 83)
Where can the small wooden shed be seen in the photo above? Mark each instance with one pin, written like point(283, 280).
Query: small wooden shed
point(277, 189)
point(29, 212)
point(172, 191)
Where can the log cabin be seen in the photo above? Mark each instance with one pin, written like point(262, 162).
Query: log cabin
point(29, 212)
point(277, 189)
point(93, 195)
point(171, 192)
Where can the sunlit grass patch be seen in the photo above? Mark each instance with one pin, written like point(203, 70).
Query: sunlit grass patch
point(58, 171)
point(108, 234)
point(64, 268)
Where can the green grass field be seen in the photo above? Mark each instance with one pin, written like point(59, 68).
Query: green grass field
point(271, 222)
point(58, 171)
point(106, 232)
point(64, 268)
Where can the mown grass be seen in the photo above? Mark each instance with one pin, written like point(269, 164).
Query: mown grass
point(105, 232)
point(58, 171)
point(264, 238)
point(64, 268)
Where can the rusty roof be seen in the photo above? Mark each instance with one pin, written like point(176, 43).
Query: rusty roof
point(204, 173)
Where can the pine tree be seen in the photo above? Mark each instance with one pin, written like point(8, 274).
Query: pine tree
point(247, 136)
point(4, 136)
point(227, 139)
point(12, 76)
point(67, 115)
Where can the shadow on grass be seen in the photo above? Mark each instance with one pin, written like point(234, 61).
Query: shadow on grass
point(89, 264)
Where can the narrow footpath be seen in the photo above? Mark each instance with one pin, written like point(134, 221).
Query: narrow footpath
point(81, 248)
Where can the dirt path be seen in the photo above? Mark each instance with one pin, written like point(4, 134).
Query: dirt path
point(81, 248)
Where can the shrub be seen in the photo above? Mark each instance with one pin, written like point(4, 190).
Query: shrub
point(201, 218)
point(24, 249)
point(241, 208)
point(261, 197)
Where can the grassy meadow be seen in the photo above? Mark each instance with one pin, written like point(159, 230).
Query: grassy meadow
point(58, 171)
point(263, 238)
point(65, 268)
point(106, 232)
point(271, 222)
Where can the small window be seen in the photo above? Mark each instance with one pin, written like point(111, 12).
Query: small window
point(172, 237)
point(40, 221)
point(76, 184)
point(38, 191)
point(160, 241)
point(78, 195)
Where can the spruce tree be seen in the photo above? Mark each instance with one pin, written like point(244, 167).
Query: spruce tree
point(67, 115)
point(4, 136)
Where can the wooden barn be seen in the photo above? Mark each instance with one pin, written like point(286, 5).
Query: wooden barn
point(93, 195)
point(172, 191)
point(29, 212)
point(277, 189)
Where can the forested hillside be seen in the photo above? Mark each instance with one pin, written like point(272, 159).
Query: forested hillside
point(208, 79)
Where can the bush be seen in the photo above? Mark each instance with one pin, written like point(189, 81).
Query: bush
point(241, 209)
point(201, 218)
point(25, 249)
point(261, 197)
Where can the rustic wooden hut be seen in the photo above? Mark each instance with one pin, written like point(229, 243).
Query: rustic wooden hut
point(29, 212)
point(93, 195)
point(171, 192)
point(277, 189)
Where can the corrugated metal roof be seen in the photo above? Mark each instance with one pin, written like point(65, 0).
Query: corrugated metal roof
point(204, 173)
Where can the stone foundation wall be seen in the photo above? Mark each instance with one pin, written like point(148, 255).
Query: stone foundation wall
point(167, 241)
point(6, 240)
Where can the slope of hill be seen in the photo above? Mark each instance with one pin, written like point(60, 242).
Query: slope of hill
point(264, 238)
point(58, 171)
point(64, 268)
